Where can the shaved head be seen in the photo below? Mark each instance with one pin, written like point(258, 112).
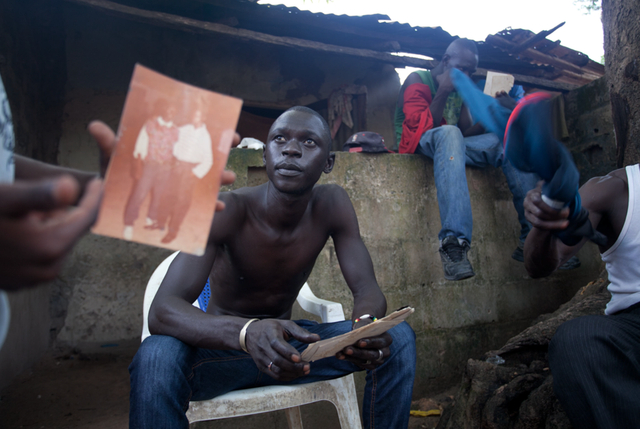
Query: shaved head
point(326, 130)
point(458, 45)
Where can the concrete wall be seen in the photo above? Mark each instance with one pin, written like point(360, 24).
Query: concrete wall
point(591, 135)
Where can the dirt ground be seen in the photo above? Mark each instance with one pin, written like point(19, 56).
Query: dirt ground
point(76, 391)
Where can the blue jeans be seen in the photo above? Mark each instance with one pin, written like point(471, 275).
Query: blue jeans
point(450, 152)
point(167, 373)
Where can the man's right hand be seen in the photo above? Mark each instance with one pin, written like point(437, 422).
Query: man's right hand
point(541, 215)
point(267, 344)
point(39, 225)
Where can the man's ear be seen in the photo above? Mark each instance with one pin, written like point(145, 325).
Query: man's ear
point(445, 59)
point(264, 156)
point(331, 160)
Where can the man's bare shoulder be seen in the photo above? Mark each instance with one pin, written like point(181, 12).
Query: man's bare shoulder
point(238, 203)
point(329, 194)
point(333, 205)
point(244, 195)
point(599, 193)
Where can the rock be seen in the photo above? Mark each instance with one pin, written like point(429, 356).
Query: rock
point(518, 394)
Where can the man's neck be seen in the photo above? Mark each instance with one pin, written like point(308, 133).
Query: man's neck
point(284, 210)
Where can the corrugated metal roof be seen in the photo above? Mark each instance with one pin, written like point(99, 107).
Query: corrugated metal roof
point(543, 59)
point(550, 61)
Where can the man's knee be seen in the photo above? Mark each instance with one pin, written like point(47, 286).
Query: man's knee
point(159, 356)
point(404, 340)
point(450, 131)
point(450, 135)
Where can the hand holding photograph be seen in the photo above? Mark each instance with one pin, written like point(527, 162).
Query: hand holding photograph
point(329, 347)
point(163, 180)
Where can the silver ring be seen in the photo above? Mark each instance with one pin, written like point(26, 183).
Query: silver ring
point(269, 367)
point(380, 356)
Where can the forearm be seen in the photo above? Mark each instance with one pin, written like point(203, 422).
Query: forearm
point(177, 318)
point(473, 130)
point(30, 169)
point(541, 253)
point(370, 302)
point(437, 107)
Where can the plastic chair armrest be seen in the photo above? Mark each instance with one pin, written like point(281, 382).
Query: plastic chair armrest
point(328, 311)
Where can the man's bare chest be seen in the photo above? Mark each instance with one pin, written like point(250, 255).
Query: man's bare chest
point(263, 253)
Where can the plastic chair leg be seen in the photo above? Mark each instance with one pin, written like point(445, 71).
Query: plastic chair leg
point(347, 405)
point(294, 418)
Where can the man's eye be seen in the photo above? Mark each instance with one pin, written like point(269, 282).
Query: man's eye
point(310, 142)
point(278, 139)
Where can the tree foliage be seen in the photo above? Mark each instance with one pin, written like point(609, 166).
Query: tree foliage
point(588, 6)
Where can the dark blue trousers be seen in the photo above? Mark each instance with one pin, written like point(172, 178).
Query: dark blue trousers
point(595, 362)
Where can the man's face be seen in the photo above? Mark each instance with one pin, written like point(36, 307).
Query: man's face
point(463, 60)
point(297, 152)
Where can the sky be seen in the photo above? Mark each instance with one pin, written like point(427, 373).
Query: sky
point(476, 19)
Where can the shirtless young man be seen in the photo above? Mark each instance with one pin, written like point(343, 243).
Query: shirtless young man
point(261, 250)
point(595, 360)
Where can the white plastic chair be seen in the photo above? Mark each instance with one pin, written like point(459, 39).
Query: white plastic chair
point(341, 392)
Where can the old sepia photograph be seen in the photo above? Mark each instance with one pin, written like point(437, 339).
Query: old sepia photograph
point(163, 181)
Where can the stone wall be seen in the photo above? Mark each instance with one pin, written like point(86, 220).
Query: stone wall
point(591, 135)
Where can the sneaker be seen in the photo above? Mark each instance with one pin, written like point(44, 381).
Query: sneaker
point(455, 264)
point(518, 254)
point(571, 264)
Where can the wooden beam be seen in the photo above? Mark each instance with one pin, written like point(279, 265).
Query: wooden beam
point(204, 27)
point(533, 40)
point(192, 25)
point(536, 56)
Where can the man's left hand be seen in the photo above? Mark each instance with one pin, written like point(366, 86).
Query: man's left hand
point(368, 353)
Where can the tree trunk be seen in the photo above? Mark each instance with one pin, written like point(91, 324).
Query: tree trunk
point(511, 388)
point(621, 22)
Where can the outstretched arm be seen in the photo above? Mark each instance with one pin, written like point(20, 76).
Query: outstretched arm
point(44, 213)
point(30, 169)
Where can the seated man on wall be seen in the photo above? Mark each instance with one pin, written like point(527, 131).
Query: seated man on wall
point(261, 250)
point(432, 120)
point(595, 360)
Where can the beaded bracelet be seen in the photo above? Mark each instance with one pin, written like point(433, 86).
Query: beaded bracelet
point(365, 316)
